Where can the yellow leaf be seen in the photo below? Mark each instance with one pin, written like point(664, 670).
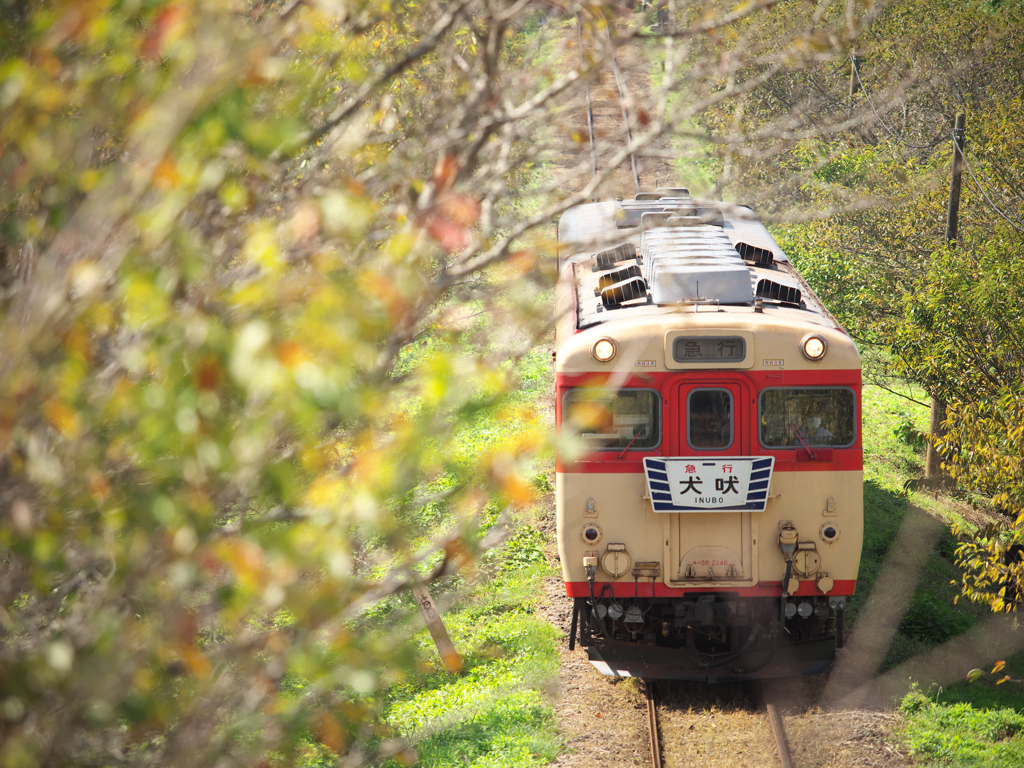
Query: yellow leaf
point(196, 661)
point(261, 248)
point(325, 490)
point(63, 418)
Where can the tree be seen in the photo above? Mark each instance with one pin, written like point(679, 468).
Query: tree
point(942, 315)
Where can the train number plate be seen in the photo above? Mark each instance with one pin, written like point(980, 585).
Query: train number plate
point(702, 484)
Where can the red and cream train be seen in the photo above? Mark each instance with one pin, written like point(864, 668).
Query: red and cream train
point(709, 485)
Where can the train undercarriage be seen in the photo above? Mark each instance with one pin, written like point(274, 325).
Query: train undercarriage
point(713, 637)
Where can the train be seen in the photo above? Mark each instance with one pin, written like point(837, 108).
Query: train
point(709, 474)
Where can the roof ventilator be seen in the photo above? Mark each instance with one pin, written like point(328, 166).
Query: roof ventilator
point(608, 259)
point(620, 286)
point(757, 257)
point(769, 289)
point(632, 212)
point(712, 216)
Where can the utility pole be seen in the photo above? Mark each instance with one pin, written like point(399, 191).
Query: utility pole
point(933, 468)
point(956, 173)
point(855, 60)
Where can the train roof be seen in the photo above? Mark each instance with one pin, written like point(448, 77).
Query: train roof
point(660, 251)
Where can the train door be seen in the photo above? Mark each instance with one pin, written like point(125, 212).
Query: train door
point(713, 417)
point(712, 426)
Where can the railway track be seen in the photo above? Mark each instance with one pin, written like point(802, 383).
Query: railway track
point(605, 108)
point(778, 732)
point(616, 88)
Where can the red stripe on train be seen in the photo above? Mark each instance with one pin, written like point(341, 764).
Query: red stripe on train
point(848, 459)
point(844, 377)
point(841, 461)
point(658, 589)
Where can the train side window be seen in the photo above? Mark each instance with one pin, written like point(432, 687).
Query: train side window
point(629, 418)
point(709, 418)
point(790, 417)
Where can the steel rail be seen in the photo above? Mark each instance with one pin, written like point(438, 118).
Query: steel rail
point(780, 735)
point(622, 103)
point(590, 106)
point(652, 724)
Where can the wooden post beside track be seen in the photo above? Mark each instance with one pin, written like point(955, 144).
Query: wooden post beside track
point(955, 179)
point(451, 657)
point(855, 60)
point(933, 464)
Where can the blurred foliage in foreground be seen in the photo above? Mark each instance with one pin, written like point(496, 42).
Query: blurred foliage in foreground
point(246, 252)
point(264, 265)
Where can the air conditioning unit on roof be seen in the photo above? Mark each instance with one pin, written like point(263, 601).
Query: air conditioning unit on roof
point(694, 263)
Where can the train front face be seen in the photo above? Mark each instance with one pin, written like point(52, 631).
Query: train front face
point(710, 513)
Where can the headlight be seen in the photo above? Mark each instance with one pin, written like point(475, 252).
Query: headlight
point(829, 532)
point(591, 534)
point(814, 347)
point(603, 350)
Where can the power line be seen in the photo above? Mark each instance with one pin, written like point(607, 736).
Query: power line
point(590, 106)
point(856, 71)
point(1003, 199)
point(1012, 222)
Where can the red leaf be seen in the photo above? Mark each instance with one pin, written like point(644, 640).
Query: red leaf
point(445, 171)
point(460, 209)
point(166, 28)
point(449, 235)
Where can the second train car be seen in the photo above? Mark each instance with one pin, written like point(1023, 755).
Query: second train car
point(709, 489)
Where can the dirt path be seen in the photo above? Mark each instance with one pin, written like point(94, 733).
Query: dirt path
point(603, 719)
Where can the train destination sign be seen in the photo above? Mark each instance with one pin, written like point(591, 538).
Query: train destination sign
point(706, 349)
point(703, 484)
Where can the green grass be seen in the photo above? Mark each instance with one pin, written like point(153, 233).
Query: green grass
point(891, 457)
point(987, 693)
point(893, 428)
point(961, 734)
point(968, 723)
point(494, 713)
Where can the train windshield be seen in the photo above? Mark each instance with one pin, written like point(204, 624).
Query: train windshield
point(804, 416)
point(710, 418)
point(614, 420)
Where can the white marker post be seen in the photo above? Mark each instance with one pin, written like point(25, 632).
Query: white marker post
point(451, 658)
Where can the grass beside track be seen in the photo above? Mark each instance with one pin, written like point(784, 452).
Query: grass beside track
point(494, 713)
point(969, 723)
